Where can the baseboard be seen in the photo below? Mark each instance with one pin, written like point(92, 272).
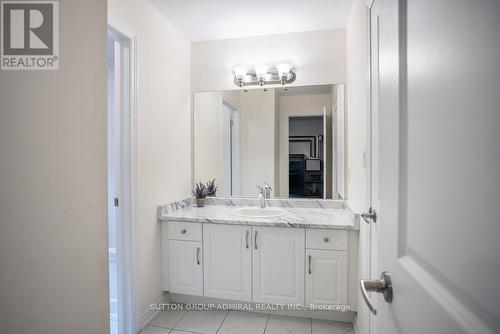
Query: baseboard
point(347, 316)
point(150, 313)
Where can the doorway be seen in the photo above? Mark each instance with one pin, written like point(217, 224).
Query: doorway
point(306, 146)
point(120, 180)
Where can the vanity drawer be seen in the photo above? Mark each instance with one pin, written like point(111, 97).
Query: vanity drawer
point(326, 239)
point(184, 231)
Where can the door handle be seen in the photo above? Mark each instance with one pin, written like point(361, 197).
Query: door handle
point(371, 215)
point(246, 239)
point(310, 270)
point(198, 255)
point(255, 240)
point(382, 285)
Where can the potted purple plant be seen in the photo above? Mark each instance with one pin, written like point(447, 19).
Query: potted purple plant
point(211, 188)
point(200, 193)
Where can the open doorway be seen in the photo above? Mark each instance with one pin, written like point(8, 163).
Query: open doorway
point(311, 125)
point(120, 180)
point(306, 156)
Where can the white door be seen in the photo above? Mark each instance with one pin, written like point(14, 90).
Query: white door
point(228, 261)
point(326, 277)
point(438, 151)
point(186, 267)
point(278, 265)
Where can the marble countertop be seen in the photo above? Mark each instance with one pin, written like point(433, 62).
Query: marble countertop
point(324, 216)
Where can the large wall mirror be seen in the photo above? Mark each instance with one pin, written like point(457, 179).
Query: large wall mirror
point(293, 140)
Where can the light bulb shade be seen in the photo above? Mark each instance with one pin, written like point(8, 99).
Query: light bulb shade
point(261, 71)
point(283, 69)
point(239, 72)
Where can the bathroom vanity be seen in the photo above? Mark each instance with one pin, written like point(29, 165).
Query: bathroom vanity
point(298, 252)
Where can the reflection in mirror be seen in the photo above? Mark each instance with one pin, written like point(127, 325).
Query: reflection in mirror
point(293, 140)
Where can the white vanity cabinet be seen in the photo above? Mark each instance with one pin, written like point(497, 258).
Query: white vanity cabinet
point(183, 257)
point(278, 265)
point(227, 261)
point(261, 264)
point(186, 267)
point(326, 266)
point(326, 277)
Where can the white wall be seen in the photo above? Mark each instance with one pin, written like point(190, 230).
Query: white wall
point(232, 97)
point(357, 104)
point(256, 140)
point(206, 135)
point(357, 86)
point(319, 56)
point(306, 126)
point(53, 231)
point(257, 125)
point(163, 128)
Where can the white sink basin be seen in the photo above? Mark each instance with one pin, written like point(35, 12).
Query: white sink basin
point(253, 212)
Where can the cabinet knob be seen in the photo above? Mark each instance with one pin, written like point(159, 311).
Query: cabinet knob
point(183, 231)
point(326, 239)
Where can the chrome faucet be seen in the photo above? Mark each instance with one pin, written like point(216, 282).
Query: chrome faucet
point(267, 190)
point(262, 197)
point(264, 194)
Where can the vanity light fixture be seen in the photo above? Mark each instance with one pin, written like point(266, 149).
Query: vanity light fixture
point(240, 72)
point(261, 75)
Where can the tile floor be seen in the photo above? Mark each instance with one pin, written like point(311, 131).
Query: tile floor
point(237, 322)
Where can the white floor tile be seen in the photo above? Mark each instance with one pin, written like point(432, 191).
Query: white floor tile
point(331, 327)
point(167, 319)
point(244, 323)
point(288, 325)
point(155, 330)
point(205, 322)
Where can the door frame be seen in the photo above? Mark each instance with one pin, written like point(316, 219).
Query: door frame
point(285, 125)
point(234, 149)
point(367, 158)
point(128, 182)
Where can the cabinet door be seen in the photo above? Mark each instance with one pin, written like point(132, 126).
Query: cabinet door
point(326, 277)
point(186, 267)
point(278, 265)
point(228, 261)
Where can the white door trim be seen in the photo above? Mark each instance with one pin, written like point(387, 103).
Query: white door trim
point(285, 123)
point(366, 323)
point(128, 200)
point(236, 153)
point(232, 135)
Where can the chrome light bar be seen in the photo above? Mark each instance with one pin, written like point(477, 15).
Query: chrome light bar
point(282, 74)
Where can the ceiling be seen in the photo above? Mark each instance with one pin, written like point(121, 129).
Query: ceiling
point(204, 20)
